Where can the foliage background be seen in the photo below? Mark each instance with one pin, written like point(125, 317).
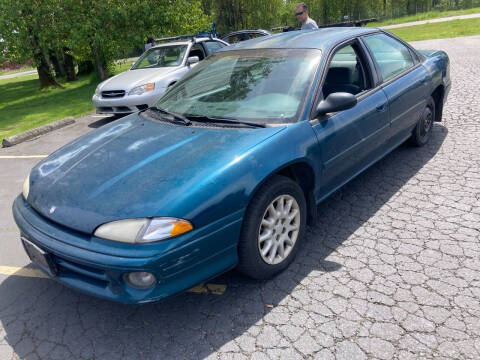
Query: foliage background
point(237, 14)
point(63, 37)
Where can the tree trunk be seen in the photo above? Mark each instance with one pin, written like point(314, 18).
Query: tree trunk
point(356, 11)
point(100, 65)
point(409, 10)
point(40, 59)
point(56, 60)
point(69, 65)
point(325, 13)
point(45, 74)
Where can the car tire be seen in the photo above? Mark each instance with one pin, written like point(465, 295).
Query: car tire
point(423, 130)
point(273, 228)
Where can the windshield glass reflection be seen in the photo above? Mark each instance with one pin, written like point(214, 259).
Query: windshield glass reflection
point(264, 86)
point(161, 57)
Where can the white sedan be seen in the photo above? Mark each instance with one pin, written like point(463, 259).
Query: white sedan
point(153, 73)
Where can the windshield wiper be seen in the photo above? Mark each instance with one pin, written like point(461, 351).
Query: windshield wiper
point(172, 117)
point(211, 119)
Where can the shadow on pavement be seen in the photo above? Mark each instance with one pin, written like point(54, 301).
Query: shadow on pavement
point(42, 319)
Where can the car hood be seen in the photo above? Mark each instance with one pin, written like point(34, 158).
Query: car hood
point(131, 78)
point(133, 168)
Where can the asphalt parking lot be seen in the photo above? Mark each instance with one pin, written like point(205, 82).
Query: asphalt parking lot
point(390, 270)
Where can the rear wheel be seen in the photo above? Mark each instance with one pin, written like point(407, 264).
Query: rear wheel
point(273, 228)
point(423, 130)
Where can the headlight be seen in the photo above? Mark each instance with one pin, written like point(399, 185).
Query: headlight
point(140, 231)
point(139, 90)
point(26, 187)
point(97, 90)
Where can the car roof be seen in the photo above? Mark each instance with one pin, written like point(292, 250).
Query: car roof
point(322, 39)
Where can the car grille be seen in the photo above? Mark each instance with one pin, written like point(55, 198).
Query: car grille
point(93, 276)
point(113, 94)
point(115, 110)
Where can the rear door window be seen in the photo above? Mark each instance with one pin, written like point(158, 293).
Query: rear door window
point(213, 46)
point(391, 56)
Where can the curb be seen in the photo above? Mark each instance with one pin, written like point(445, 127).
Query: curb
point(33, 133)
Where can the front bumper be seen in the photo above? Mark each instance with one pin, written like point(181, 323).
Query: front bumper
point(182, 262)
point(128, 103)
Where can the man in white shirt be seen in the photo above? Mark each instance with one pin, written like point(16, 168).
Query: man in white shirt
point(301, 12)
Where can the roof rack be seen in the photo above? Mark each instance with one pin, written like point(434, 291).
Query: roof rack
point(283, 28)
point(191, 37)
point(353, 23)
point(175, 38)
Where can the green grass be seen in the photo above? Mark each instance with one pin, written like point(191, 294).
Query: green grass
point(24, 106)
point(122, 66)
point(443, 30)
point(425, 16)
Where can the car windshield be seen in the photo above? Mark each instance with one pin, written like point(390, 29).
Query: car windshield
point(263, 86)
point(160, 57)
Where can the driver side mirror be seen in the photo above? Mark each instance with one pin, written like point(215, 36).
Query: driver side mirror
point(192, 60)
point(334, 102)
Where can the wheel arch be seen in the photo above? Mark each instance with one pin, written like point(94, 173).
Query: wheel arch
point(438, 96)
point(302, 173)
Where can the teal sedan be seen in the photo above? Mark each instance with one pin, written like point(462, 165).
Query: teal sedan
point(227, 168)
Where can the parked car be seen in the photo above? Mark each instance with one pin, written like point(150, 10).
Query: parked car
point(227, 168)
point(243, 35)
point(150, 76)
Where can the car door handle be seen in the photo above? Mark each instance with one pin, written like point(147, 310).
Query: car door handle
point(381, 108)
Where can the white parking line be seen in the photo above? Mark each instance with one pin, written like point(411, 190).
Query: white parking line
point(215, 289)
point(23, 156)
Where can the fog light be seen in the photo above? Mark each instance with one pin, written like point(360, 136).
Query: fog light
point(140, 280)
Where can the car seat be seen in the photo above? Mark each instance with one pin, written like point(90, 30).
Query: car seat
point(197, 52)
point(339, 79)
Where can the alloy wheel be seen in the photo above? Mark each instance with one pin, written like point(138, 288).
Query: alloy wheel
point(279, 229)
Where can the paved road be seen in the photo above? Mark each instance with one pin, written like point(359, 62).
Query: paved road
point(421, 22)
point(391, 270)
point(23, 73)
point(34, 72)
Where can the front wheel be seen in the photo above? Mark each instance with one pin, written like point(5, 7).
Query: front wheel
point(423, 130)
point(273, 228)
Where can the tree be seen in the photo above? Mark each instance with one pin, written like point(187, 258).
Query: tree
point(104, 31)
point(232, 15)
point(96, 31)
point(26, 27)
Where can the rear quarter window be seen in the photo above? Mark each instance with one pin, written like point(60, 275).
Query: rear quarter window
point(213, 46)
